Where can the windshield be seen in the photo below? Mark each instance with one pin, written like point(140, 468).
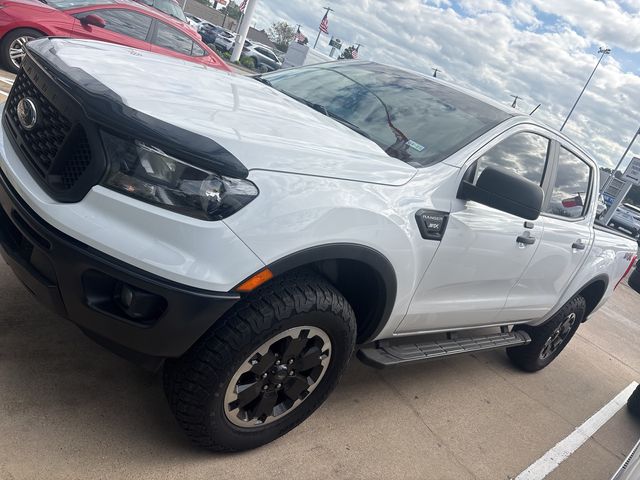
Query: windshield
point(411, 117)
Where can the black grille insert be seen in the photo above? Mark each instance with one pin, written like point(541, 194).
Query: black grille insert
point(45, 140)
point(62, 149)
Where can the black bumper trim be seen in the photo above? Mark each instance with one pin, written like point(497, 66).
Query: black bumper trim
point(52, 265)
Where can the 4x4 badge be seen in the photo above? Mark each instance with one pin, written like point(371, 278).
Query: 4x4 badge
point(27, 113)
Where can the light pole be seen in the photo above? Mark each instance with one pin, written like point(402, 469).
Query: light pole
point(602, 51)
point(244, 29)
point(613, 172)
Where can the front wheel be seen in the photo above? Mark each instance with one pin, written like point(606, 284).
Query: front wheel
point(265, 367)
point(549, 339)
point(12, 48)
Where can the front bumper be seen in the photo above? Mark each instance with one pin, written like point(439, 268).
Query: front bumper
point(81, 283)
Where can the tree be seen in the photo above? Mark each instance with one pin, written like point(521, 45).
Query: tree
point(281, 34)
point(232, 10)
point(347, 53)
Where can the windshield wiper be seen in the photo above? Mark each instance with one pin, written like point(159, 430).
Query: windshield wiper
point(261, 79)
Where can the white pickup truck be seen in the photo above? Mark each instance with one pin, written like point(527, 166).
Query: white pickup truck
point(247, 234)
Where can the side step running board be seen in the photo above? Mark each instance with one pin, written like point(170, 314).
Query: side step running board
point(384, 353)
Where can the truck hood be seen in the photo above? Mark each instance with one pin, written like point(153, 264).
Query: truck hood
point(263, 128)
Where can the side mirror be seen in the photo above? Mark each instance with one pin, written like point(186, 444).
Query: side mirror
point(93, 19)
point(505, 191)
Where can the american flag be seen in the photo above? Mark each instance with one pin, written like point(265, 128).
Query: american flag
point(324, 24)
point(299, 37)
point(354, 53)
point(572, 202)
point(243, 6)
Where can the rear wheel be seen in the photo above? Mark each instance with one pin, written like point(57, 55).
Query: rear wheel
point(549, 339)
point(264, 368)
point(12, 48)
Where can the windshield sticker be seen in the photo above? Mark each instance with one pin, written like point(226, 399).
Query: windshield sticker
point(415, 145)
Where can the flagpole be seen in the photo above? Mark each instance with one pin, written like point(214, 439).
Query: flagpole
point(328, 9)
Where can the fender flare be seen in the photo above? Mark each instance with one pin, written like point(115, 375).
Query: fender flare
point(348, 251)
point(590, 305)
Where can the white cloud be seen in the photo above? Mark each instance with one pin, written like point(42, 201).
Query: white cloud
point(500, 49)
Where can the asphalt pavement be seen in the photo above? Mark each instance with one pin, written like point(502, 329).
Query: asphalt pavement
point(73, 410)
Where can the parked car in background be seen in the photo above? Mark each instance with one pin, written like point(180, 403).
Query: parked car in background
point(210, 32)
point(264, 59)
point(250, 246)
point(627, 217)
point(225, 40)
point(116, 21)
point(601, 206)
point(194, 21)
point(634, 278)
point(630, 469)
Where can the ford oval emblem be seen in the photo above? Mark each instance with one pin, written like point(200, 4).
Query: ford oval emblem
point(27, 113)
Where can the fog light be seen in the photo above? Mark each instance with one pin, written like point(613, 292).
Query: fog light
point(126, 296)
point(138, 304)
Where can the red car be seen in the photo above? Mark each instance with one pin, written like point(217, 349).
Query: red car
point(117, 21)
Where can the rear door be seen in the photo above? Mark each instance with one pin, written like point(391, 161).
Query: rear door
point(565, 242)
point(168, 40)
point(122, 26)
point(479, 259)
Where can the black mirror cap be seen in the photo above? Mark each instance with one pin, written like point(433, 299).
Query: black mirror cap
point(508, 192)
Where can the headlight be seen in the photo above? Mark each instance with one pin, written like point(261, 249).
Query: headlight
point(148, 174)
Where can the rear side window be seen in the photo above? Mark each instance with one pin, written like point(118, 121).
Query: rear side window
point(125, 22)
point(571, 188)
point(523, 153)
point(173, 39)
point(197, 51)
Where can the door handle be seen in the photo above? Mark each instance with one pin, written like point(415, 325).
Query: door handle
point(578, 245)
point(526, 240)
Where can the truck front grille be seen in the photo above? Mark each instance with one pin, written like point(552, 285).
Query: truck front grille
point(57, 149)
point(45, 140)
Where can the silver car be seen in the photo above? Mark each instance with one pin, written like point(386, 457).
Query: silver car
point(264, 59)
point(225, 41)
point(625, 219)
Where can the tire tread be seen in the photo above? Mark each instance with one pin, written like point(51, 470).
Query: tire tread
point(189, 380)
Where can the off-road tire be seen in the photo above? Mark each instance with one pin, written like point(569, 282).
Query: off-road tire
point(195, 384)
point(8, 40)
point(528, 357)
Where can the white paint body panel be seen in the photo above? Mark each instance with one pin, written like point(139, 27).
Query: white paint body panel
point(321, 183)
point(176, 247)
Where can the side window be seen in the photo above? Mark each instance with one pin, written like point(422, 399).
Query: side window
point(169, 37)
point(523, 153)
point(125, 22)
point(197, 51)
point(571, 189)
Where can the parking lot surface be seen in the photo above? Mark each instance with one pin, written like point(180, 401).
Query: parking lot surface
point(72, 410)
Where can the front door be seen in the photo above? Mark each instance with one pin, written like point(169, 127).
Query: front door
point(122, 26)
point(479, 260)
point(564, 244)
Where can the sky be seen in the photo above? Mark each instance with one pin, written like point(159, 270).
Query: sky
point(540, 50)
